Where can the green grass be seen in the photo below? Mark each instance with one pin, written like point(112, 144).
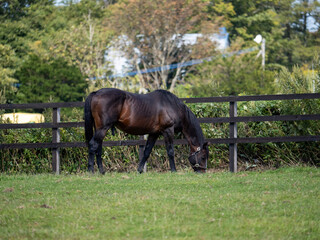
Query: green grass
point(277, 204)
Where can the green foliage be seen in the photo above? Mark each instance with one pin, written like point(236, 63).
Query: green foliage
point(300, 80)
point(284, 26)
point(16, 9)
point(238, 74)
point(56, 81)
point(277, 204)
point(82, 39)
point(253, 17)
point(278, 154)
point(7, 69)
point(126, 158)
point(80, 32)
point(24, 22)
point(75, 33)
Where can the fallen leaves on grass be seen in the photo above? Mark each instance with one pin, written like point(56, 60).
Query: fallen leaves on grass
point(243, 175)
point(8, 190)
point(45, 206)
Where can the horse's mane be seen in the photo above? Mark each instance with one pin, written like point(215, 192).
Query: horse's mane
point(193, 121)
point(188, 114)
point(172, 99)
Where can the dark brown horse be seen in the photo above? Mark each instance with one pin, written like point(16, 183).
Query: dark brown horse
point(155, 113)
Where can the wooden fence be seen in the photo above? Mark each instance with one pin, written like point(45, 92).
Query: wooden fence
point(233, 119)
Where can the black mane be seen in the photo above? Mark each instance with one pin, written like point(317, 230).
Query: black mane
point(194, 126)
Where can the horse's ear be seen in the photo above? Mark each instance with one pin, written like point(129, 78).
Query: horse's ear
point(205, 145)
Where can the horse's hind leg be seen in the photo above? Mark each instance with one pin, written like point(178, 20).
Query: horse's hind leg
point(152, 138)
point(99, 159)
point(95, 149)
point(93, 146)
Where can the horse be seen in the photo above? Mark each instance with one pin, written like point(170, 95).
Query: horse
point(156, 113)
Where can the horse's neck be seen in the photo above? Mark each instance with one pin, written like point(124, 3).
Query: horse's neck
point(194, 137)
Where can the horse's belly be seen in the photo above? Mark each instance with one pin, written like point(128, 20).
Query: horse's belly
point(136, 129)
point(143, 119)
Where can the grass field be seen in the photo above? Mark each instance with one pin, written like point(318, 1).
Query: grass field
point(275, 204)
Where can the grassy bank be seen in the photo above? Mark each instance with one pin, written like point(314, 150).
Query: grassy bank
point(278, 204)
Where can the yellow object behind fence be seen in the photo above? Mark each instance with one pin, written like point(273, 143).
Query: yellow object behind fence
point(23, 117)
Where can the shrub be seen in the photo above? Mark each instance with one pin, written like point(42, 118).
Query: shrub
point(126, 158)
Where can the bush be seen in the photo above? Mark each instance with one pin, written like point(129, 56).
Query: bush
point(126, 158)
point(55, 81)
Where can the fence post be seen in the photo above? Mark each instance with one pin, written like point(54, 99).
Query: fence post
point(55, 139)
point(233, 148)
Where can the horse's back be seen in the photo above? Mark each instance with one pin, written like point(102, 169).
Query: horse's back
point(136, 113)
point(109, 92)
point(141, 114)
point(162, 98)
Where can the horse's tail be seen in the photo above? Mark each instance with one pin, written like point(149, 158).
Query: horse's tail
point(88, 118)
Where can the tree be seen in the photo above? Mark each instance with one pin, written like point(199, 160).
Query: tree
point(15, 9)
point(292, 43)
point(57, 81)
point(7, 70)
point(253, 17)
point(82, 41)
point(283, 24)
point(22, 22)
point(83, 45)
point(302, 11)
point(231, 75)
point(151, 34)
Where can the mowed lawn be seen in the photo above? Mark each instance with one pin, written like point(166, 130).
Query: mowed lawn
point(274, 204)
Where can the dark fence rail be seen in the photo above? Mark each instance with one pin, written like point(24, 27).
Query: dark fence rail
point(233, 119)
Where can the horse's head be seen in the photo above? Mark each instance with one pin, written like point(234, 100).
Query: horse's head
point(199, 158)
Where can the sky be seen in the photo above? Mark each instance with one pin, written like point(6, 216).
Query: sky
point(311, 25)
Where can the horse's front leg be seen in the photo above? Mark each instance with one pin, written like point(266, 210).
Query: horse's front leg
point(168, 139)
point(152, 138)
